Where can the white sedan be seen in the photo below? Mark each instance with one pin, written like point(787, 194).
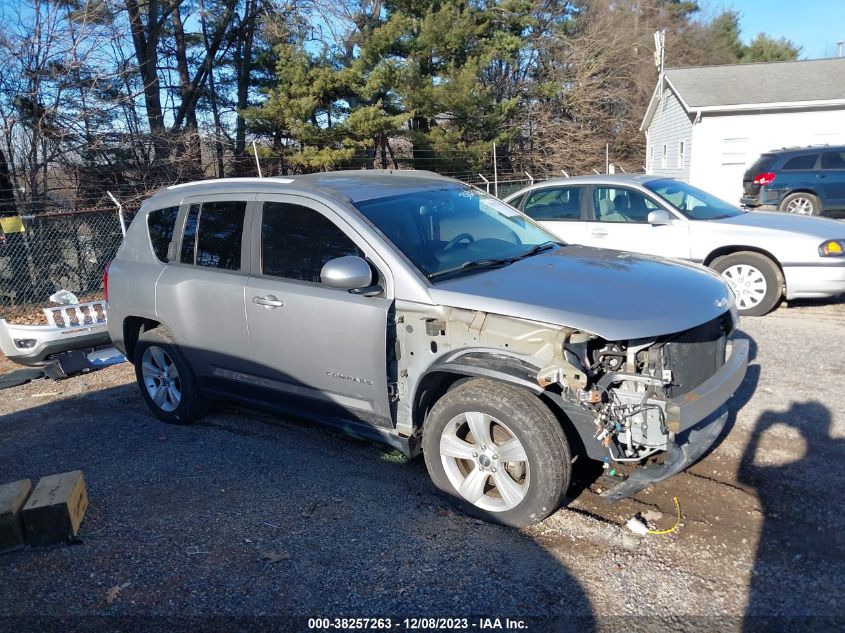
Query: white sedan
point(764, 256)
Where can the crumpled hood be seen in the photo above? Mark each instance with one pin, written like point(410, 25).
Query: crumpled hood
point(823, 228)
point(619, 296)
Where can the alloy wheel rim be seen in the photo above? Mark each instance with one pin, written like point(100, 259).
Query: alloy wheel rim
point(748, 285)
point(161, 378)
point(801, 206)
point(484, 461)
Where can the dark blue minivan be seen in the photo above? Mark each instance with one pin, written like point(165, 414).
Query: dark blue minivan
point(805, 180)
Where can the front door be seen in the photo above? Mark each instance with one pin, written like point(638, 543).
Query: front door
point(621, 223)
point(309, 340)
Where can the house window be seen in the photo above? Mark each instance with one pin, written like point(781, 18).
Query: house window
point(664, 156)
point(682, 152)
point(653, 156)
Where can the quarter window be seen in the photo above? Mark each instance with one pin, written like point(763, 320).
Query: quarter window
point(296, 242)
point(554, 204)
point(613, 204)
point(807, 161)
point(160, 224)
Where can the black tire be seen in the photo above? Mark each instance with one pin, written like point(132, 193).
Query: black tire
point(513, 413)
point(801, 203)
point(190, 405)
point(752, 299)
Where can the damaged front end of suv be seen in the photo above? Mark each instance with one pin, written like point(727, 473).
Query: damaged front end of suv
point(646, 405)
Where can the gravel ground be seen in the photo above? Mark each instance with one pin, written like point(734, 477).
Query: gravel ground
point(247, 514)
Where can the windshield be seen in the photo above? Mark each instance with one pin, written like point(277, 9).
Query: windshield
point(691, 201)
point(454, 229)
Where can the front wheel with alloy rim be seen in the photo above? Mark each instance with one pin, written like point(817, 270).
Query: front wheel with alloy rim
point(165, 379)
point(755, 280)
point(498, 452)
point(801, 203)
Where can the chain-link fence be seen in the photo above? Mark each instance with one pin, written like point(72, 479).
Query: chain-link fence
point(45, 253)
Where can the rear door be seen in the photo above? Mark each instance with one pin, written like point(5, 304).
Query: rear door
point(831, 179)
point(200, 294)
point(560, 209)
point(620, 222)
point(326, 345)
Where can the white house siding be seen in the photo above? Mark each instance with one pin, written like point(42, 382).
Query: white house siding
point(670, 125)
point(728, 144)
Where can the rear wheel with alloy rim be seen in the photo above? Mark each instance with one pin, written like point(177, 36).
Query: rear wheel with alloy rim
point(801, 203)
point(498, 452)
point(165, 379)
point(755, 280)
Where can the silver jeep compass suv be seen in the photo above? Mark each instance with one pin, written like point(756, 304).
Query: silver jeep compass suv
point(417, 311)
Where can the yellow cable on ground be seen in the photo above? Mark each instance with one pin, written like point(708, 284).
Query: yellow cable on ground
point(677, 523)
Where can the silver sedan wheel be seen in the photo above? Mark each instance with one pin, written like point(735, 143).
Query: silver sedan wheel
point(800, 205)
point(161, 378)
point(748, 285)
point(484, 461)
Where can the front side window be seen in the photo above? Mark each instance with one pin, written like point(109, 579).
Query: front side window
point(560, 203)
point(160, 224)
point(451, 229)
point(692, 202)
point(296, 242)
point(616, 204)
point(808, 161)
point(833, 160)
point(213, 235)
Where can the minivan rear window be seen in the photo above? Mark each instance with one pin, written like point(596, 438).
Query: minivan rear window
point(160, 224)
point(763, 163)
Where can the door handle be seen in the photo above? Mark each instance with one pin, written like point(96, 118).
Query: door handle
point(599, 233)
point(269, 301)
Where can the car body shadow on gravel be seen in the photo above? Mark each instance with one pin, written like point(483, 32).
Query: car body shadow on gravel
point(251, 515)
point(797, 577)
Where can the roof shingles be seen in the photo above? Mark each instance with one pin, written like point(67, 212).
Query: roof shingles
point(764, 83)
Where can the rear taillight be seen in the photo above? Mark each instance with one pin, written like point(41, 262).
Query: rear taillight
point(106, 282)
point(765, 178)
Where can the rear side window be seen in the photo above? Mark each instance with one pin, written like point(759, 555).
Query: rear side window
point(554, 204)
point(160, 224)
point(833, 160)
point(213, 234)
point(808, 161)
point(189, 235)
point(220, 233)
point(296, 242)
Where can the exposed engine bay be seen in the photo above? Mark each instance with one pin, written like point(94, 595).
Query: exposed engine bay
point(625, 387)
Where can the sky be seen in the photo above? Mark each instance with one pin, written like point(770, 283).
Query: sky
point(816, 25)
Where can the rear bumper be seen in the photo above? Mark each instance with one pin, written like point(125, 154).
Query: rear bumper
point(696, 419)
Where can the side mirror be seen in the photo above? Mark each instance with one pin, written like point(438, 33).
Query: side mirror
point(659, 218)
point(349, 273)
